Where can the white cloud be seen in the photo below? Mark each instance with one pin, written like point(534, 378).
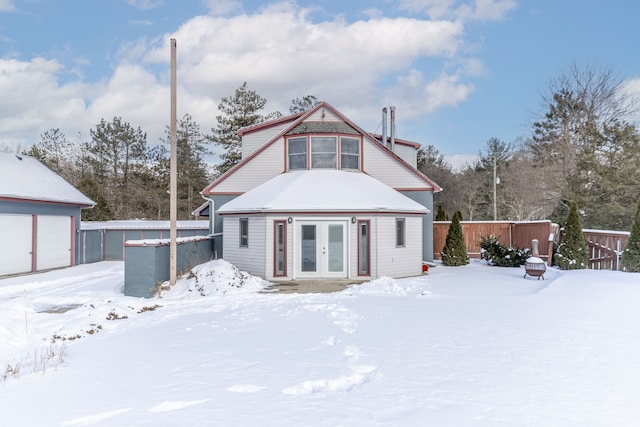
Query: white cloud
point(426, 97)
point(460, 162)
point(492, 10)
point(7, 6)
point(222, 7)
point(631, 93)
point(33, 99)
point(482, 10)
point(282, 54)
point(145, 4)
point(279, 51)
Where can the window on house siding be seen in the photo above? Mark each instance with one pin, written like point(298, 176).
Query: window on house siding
point(297, 152)
point(400, 231)
point(244, 232)
point(349, 153)
point(324, 154)
point(280, 247)
point(364, 251)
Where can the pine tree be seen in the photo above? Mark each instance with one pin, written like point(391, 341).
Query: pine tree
point(238, 111)
point(305, 103)
point(192, 169)
point(441, 215)
point(573, 252)
point(454, 252)
point(113, 155)
point(631, 253)
point(102, 210)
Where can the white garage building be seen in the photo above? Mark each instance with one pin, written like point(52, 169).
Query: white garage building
point(39, 216)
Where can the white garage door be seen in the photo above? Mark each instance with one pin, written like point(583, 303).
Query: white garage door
point(15, 243)
point(54, 242)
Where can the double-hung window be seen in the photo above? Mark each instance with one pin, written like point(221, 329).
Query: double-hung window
point(297, 152)
point(244, 232)
point(349, 153)
point(324, 152)
point(400, 232)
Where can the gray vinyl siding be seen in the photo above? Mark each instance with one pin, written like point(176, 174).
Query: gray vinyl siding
point(407, 153)
point(425, 198)
point(252, 258)
point(379, 165)
point(399, 261)
point(254, 140)
point(260, 169)
point(328, 116)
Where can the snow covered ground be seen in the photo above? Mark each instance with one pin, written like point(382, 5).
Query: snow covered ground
point(464, 346)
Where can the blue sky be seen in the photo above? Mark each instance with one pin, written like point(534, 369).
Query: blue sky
point(458, 71)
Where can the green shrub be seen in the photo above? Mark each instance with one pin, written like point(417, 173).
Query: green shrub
point(631, 253)
point(454, 252)
point(501, 256)
point(573, 253)
point(441, 215)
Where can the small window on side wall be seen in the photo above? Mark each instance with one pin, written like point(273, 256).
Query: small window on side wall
point(400, 232)
point(244, 232)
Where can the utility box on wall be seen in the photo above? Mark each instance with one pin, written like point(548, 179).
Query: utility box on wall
point(146, 263)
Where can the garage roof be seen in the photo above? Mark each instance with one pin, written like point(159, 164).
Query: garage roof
point(24, 177)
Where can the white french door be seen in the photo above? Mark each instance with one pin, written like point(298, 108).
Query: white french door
point(321, 249)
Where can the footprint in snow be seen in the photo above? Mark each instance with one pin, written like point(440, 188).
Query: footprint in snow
point(245, 388)
point(360, 375)
point(173, 405)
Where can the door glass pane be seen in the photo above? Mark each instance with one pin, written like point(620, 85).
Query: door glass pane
point(363, 243)
point(336, 248)
point(280, 249)
point(308, 248)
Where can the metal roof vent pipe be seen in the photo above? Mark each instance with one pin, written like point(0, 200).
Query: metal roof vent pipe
point(383, 140)
point(392, 142)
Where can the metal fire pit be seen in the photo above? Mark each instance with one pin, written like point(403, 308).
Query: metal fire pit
point(535, 267)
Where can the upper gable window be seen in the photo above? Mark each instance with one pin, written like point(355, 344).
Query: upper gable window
point(349, 153)
point(324, 152)
point(297, 149)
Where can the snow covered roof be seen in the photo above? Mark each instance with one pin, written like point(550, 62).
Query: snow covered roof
point(322, 191)
point(142, 224)
point(24, 177)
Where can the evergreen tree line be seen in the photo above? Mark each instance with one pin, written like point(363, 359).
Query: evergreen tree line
point(583, 147)
point(128, 178)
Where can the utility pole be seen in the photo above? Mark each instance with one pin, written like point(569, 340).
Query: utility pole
point(173, 180)
point(495, 192)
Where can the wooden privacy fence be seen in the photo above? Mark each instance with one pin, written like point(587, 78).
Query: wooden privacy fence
point(509, 234)
point(605, 248)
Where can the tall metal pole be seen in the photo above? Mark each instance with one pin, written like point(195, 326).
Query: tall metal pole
point(173, 180)
point(495, 193)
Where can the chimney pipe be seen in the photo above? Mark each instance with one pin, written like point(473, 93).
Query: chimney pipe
point(384, 127)
point(534, 248)
point(392, 142)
